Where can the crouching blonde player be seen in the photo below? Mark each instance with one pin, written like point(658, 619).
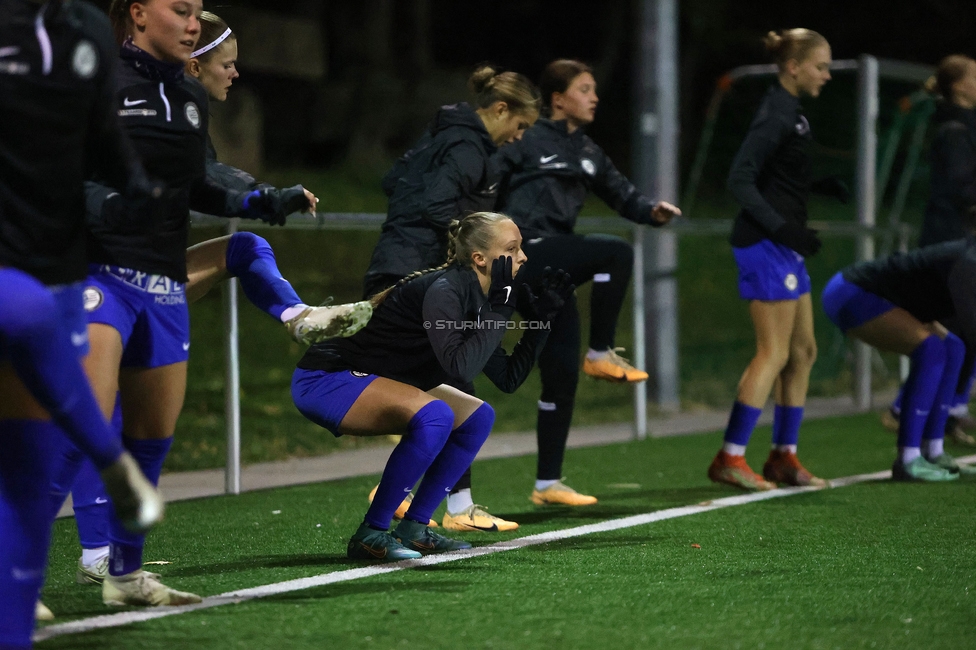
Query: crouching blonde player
point(432, 329)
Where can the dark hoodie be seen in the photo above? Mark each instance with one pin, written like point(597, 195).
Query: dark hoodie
point(953, 184)
point(443, 177)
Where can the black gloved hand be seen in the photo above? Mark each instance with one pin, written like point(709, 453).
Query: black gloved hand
point(273, 206)
point(501, 293)
point(832, 186)
point(801, 239)
point(549, 295)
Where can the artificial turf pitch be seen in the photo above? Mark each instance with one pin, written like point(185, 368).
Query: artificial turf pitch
point(875, 565)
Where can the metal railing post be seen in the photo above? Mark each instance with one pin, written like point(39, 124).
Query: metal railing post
point(867, 144)
point(232, 383)
point(640, 344)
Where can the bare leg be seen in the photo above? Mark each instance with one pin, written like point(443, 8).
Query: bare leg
point(895, 331)
point(460, 402)
point(774, 324)
point(794, 379)
point(206, 265)
point(385, 407)
point(152, 399)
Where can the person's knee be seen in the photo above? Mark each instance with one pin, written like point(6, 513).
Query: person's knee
point(773, 358)
point(430, 427)
point(474, 431)
point(803, 354)
point(243, 248)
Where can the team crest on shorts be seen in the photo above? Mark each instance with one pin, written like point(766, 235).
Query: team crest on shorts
point(92, 298)
point(791, 282)
point(356, 373)
point(192, 114)
point(84, 60)
point(588, 166)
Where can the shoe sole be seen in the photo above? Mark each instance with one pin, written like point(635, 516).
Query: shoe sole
point(544, 502)
point(743, 486)
point(340, 326)
point(470, 528)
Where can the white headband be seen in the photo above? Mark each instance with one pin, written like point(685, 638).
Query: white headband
point(206, 48)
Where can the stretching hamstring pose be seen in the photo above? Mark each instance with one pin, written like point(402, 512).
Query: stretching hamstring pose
point(771, 179)
point(137, 307)
point(544, 179)
point(435, 329)
point(445, 176)
point(895, 304)
point(243, 255)
point(56, 123)
point(953, 193)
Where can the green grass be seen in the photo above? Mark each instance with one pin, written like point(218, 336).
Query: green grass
point(877, 565)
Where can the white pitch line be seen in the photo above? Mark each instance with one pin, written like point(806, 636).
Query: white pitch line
point(241, 595)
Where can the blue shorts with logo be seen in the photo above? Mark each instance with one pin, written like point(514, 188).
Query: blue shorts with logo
point(149, 311)
point(771, 271)
point(848, 305)
point(325, 397)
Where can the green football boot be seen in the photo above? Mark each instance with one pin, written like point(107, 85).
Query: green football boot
point(418, 537)
point(945, 461)
point(920, 470)
point(371, 544)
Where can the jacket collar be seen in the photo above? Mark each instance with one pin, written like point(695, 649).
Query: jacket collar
point(149, 66)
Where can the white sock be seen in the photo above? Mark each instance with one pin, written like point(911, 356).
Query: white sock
point(933, 448)
point(291, 312)
point(790, 448)
point(908, 454)
point(542, 485)
point(459, 501)
point(733, 449)
point(594, 355)
point(90, 556)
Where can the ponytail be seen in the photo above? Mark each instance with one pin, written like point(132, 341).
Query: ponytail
point(465, 236)
point(951, 69)
point(490, 86)
point(787, 44)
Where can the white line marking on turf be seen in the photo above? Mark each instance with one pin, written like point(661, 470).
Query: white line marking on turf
point(241, 595)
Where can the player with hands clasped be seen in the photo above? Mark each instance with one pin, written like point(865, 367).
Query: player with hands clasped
point(770, 179)
point(544, 179)
point(431, 331)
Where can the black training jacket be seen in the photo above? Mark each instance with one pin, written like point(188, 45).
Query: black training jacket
point(435, 329)
point(165, 115)
point(227, 176)
point(57, 68)
point(771, 173)
point(546, 175)
point(443, 177)
point(935, 283)
point(953, 179)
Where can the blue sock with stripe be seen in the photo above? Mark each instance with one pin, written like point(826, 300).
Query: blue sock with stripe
point(934, 431)
point(786, 426)
point(251, 260)
point(457, 455)
point(125, 554)
point(918, 396)
point(427, 432)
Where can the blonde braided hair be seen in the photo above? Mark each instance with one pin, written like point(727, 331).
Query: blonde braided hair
point(464, 237)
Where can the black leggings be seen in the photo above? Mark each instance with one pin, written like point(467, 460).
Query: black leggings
point(608, 261)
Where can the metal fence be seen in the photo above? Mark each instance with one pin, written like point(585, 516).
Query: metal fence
point(365, 221)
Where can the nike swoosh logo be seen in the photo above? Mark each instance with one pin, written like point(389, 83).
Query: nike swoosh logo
point(9, 51)
point(421, 546)
point(127, 103)
point(546, 159)
point(508, 292)
point(372, 551)
point(186, 346)
point(491, 528)
point(100, 500)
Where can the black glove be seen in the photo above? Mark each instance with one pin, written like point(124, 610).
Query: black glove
point(273, 206)
point(549, 295)
point(501, 293)
point(834, 187)
point(801, 239)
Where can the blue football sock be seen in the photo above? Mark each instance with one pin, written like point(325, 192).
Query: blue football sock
point(965, 386)
point(25, 523)
point(955, 351)
point(426, 434)
point(896, 405)
point(125, 554)
point(918, 396)
point(457, 455)
point(742, 421)
point(40, 350)
point(786, 424)
point(65, 464)
point(251, 260)
point(91, 506)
